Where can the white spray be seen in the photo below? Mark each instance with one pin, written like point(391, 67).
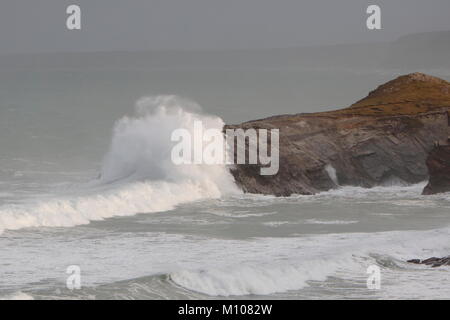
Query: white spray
point(137, 172)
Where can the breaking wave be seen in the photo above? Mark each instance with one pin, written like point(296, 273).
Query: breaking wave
point(137, 174)
point(301, 261)
point(256, 279)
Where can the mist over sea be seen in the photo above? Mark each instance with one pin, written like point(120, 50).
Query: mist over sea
point(86, 180)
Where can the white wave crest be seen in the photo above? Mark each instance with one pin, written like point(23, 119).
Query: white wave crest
point(329, 222)
point(274, 265)
point(331, 171)
point(137, 173)
point(256, 279)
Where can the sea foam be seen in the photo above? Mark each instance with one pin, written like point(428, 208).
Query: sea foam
point(256, 279)
point(137, 174)
point(275, 265)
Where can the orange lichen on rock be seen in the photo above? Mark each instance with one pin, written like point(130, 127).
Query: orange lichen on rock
point(409, 94)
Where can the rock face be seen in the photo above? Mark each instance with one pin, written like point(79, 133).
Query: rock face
point(383, 137)
point(438, 164)
point(434, 262)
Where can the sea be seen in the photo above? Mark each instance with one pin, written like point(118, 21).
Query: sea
point(92, 207)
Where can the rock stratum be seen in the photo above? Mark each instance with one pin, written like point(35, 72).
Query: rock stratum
point(438, 164)
point(385, 136)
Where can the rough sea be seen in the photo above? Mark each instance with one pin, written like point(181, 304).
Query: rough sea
point(86, 180)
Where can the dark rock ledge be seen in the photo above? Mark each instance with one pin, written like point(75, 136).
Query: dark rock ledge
point(434, 262)
point(438, 164)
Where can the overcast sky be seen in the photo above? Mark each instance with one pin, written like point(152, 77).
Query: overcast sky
point(40, 25)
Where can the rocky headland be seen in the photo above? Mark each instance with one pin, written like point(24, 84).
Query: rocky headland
point(384, 137)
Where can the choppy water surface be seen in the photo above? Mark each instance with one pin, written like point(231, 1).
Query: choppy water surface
point(242, 246)
point(140, 227)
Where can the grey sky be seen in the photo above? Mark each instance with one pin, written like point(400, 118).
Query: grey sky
point(39, 26)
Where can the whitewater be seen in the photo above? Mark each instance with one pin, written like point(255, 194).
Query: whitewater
point(141, 227)
point(137, 174)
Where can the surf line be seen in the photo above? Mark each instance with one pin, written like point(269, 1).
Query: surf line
point(190, 310)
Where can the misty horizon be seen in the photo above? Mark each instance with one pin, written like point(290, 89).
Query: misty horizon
point(198, 25)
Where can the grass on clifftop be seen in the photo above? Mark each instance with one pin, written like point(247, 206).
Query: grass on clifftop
point(409, 94)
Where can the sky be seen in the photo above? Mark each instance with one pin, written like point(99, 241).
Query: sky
point(40, 26)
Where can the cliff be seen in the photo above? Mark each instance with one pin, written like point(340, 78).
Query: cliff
point(438, 164)
point(383, 137)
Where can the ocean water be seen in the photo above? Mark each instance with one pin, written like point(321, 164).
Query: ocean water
point(92, 185)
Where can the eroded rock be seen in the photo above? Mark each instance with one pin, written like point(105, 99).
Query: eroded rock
point(438, 164)
point(386, 136)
